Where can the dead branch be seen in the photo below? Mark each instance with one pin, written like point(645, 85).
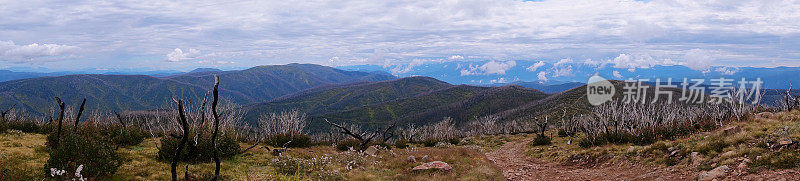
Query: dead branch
point(60, 119)
point(184, 139)
point(216, 127)
point(119, 118)
point(4, 113)
point(78, 118)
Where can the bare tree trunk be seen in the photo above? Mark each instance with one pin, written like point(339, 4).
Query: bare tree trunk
point(60, 119)
point(184, 139)
point(4, 113)
point(78, 118)
point(216, 127)
point(119, 117)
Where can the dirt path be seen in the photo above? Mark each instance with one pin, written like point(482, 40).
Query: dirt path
point(516, 166)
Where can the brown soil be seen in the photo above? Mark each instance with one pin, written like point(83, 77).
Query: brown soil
point(516, 165)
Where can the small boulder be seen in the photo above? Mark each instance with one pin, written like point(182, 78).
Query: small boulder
point(438, 165)
point(371, 151)
point(443, 145)
point(744, 163)
point(631, 149)
point(696, 158)
point(730, 130)
point(714, 174)
point(785, 142)
point(411, 159)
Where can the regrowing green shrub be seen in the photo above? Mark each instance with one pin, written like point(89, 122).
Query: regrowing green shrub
point(347, 144)
point(203, 151)
point(96, 153)
point(294, 140)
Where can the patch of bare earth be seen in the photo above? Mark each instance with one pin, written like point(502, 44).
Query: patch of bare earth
point(516, 165)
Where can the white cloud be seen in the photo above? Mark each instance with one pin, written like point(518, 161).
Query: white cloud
point(632, 62)
point(727, 70)
point(500, 80)
point(535, 66)
point(563, 61)
point(273, 32)
point(591, 62)
point(178, 55)
point(562, 71)
point(12, 52)
point(402, 69)
point(455, 57)
point(699, 59)
point(617, 75)
point(542, 76)
point(491, 67)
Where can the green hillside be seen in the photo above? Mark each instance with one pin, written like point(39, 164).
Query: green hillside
point(139, 92)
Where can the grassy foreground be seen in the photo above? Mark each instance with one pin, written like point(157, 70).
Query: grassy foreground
point(767, 141)
point(24, 156)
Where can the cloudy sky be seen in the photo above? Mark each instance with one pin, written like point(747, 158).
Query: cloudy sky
point(182, 35)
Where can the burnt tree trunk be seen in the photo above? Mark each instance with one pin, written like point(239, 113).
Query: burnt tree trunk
point(119, 117)
point(60, 119)
point(184, 139)
point(216, 127)
point(78, 118)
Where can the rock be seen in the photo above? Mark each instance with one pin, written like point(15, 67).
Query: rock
point(674, 152)
point(411, 159)
point(438, 165)
point(714, 174)
point(443, 145)
point(730, 130)
point(371, 151)
point(631, 149)
point(743, 165)
point(424, 158)
point(696, 158)
point(728, 154)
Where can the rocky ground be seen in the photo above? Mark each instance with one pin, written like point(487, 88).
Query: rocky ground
point(515, 165)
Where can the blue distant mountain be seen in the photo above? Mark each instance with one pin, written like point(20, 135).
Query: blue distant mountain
point(501, 73)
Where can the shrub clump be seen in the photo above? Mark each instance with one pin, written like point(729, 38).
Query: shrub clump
point(96, 153)
point(779, 160)
point(202, 151)
point(401, 143)
point(347, 144)
point(298, 140)
point(541, 140)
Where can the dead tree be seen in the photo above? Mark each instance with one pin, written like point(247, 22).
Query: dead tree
point(184, 139)
point(542, 126)
point(363, 136)
point(78, 118)
point(60, 119)
point(119, 118)
point(789, 102)
point(4, 113)
point(216, 126)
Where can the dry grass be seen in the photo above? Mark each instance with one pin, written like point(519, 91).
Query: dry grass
point(753, 139)
point(24, 155)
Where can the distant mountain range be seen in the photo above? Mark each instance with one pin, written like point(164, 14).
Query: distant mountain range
point(141, 92)
point(567, 71)
point(366, 98)
point(412, 100)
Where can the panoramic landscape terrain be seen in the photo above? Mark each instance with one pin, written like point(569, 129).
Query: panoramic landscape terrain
point(400, 90)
